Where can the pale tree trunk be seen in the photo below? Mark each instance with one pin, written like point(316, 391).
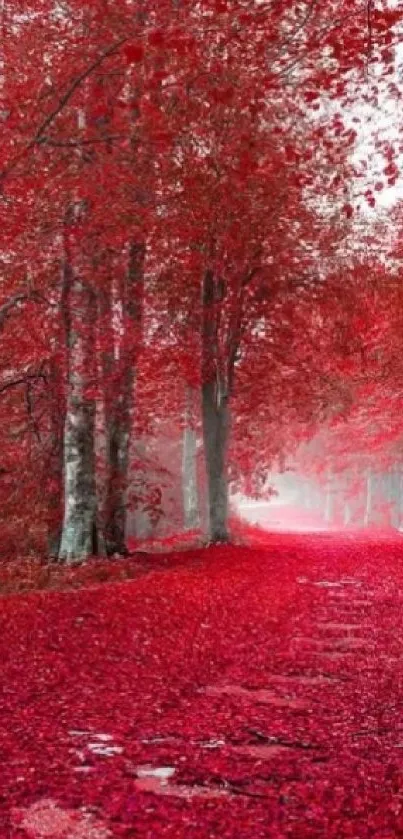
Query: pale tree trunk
point(368, 498)
point(189, 465)
point(215, 430)
point(119, 414)
point(58, 374)
point(400, 499)
point(394, 498)
point(80, 538)
point(81, 535)
point(347, 502)
point(55, 468)
point(220, 352)
point(140, 520)
point(215, 415)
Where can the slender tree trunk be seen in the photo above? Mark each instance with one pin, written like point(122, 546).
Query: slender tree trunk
point(120, 408)
point(81, 534)
point(394, 497)
point(189, 466)
point(400, 499)
point(55, 474)
point(368, 498)
point(79, 537)
point(215, 432)
point(215, 415)
point(58, 376)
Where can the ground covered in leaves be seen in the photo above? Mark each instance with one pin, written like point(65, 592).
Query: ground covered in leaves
point(233, 692)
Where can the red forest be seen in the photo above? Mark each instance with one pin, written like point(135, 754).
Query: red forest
point(200, 310)
point(181, 257)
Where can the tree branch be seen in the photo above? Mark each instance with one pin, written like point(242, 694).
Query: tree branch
point(21, 297)
point(23, 380)
point(48, 141)
point(30, 410)
point(235, 334)
point(38, 137)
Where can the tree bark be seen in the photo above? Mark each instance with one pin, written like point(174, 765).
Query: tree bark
point(80, 537)
point(55, 465)
point(394, 483)
point(368, 498)
point(215, 415)
point(399, 498)
point(329, 505)
point(215, 432)
point(191, 515)
point(119, 413)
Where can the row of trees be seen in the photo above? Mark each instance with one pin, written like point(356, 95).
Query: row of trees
point(175, 182)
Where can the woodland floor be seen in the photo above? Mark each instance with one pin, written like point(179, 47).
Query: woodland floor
point(231, 693)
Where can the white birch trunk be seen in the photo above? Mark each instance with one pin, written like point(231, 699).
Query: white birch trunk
point(79, 532)
point(400, 501)
point(189, 467)
point(120, 407)
point(394, 498)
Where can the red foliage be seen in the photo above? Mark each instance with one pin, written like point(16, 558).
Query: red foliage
point(201, 130)
point(310, 630)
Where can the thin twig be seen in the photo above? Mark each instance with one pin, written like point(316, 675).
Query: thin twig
point(63, 101)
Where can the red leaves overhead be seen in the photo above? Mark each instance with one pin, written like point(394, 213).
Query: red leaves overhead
point(134, 53)
point(311, 96)
point(272, 678)
point(189, 126)
point(156, 39)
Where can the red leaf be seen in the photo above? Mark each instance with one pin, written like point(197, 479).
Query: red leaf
point(134, 53)
point(156, 39)
point(311, 95)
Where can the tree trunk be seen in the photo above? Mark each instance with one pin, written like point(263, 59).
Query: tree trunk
point(215, 433)
point(119, 414)
point(394, 498)
point(79, 537)
point(368, 498)
point(400, 499)
point(189, 466)
point(55, 460)
point(54, 478)
point(215, 414)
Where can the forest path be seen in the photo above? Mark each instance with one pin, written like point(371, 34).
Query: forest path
point(254, 693)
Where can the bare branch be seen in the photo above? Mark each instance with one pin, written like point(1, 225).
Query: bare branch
point(63, 101)
point(21, 297)
point(108, 138)
point(23, 380)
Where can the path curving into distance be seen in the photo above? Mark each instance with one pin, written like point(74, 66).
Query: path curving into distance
point(237, 693)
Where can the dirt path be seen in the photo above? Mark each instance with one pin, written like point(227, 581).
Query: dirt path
point(263, 698)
